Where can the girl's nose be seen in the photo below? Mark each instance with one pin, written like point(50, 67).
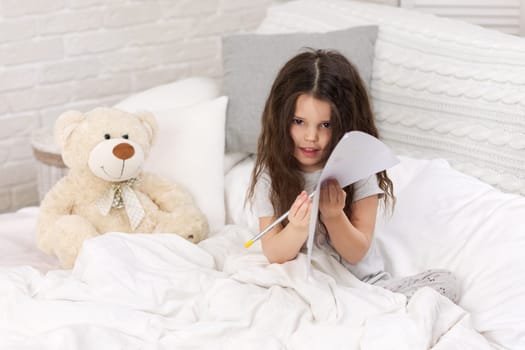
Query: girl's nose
point(311, 134)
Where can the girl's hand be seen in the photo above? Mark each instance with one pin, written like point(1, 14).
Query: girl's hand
point(332, 199)
point(299, 216)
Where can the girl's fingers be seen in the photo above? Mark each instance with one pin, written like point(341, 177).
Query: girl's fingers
point(329, 191)
point(298, 203)
point(304, 209)
point(333, 191)
point(327, 194)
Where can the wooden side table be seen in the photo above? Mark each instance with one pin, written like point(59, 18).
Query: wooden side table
point(50, 167)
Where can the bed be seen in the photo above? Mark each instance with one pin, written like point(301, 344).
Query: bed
point(460, 206)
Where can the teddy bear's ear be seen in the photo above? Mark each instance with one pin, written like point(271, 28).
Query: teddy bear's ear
point(150, 124)
point(65, 124)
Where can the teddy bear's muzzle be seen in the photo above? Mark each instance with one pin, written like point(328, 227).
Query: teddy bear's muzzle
point(116, 160)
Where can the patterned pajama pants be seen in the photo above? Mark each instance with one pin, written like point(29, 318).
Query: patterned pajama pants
point(442, 281)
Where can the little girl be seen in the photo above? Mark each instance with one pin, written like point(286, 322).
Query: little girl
point(316, 98)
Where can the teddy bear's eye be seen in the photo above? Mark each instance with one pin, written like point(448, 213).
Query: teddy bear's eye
point(107, 136)
point(125, 136)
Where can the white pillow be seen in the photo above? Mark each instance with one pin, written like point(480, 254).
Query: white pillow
point(441, 88)
point(236, 184)
point(231, 159)
point(190, 150)
point(181, 93)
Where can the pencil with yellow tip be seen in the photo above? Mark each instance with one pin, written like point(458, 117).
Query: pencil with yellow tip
point(269, 228)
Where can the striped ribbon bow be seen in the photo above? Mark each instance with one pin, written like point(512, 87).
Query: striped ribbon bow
point(121, 195)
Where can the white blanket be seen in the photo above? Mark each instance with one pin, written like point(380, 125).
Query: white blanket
point(161, 292)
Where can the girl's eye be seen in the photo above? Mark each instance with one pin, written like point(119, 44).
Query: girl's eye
point(297, 121)
point(107, 136)
point(325, 125)
point(126, 136)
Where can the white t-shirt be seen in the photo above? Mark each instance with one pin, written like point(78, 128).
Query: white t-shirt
point(371, 267)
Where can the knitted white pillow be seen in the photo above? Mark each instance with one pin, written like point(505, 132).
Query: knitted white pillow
point(440, 88)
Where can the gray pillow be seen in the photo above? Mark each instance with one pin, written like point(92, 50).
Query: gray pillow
point(252, 61)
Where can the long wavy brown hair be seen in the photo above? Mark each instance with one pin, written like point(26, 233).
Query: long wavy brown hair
point(325, 75)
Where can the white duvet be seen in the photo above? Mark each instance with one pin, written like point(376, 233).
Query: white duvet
point(161, 292)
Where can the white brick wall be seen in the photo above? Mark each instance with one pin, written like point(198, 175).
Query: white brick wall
point(384, 2)
point(57, 55)
point(78, 54)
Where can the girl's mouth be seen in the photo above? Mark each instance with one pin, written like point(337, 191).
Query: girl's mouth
point(309, 152)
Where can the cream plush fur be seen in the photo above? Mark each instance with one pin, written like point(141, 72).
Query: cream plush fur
point(101, 148)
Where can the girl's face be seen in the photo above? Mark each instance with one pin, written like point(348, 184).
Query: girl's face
point(311, 131)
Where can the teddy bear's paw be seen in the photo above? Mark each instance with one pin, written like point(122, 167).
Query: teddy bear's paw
point(197, 231)
point(189, 236)
point(66, 258)
point(69, 233)
point(194, 228)
point(68, 249)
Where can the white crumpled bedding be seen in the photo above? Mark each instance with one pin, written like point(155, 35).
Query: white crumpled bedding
point(160, 292)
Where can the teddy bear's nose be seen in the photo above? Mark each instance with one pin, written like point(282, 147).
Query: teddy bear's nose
point(123, 151)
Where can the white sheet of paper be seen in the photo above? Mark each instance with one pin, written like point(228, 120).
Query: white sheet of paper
point(357, 155)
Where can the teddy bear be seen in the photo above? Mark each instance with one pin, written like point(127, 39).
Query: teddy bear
point(106, 190)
